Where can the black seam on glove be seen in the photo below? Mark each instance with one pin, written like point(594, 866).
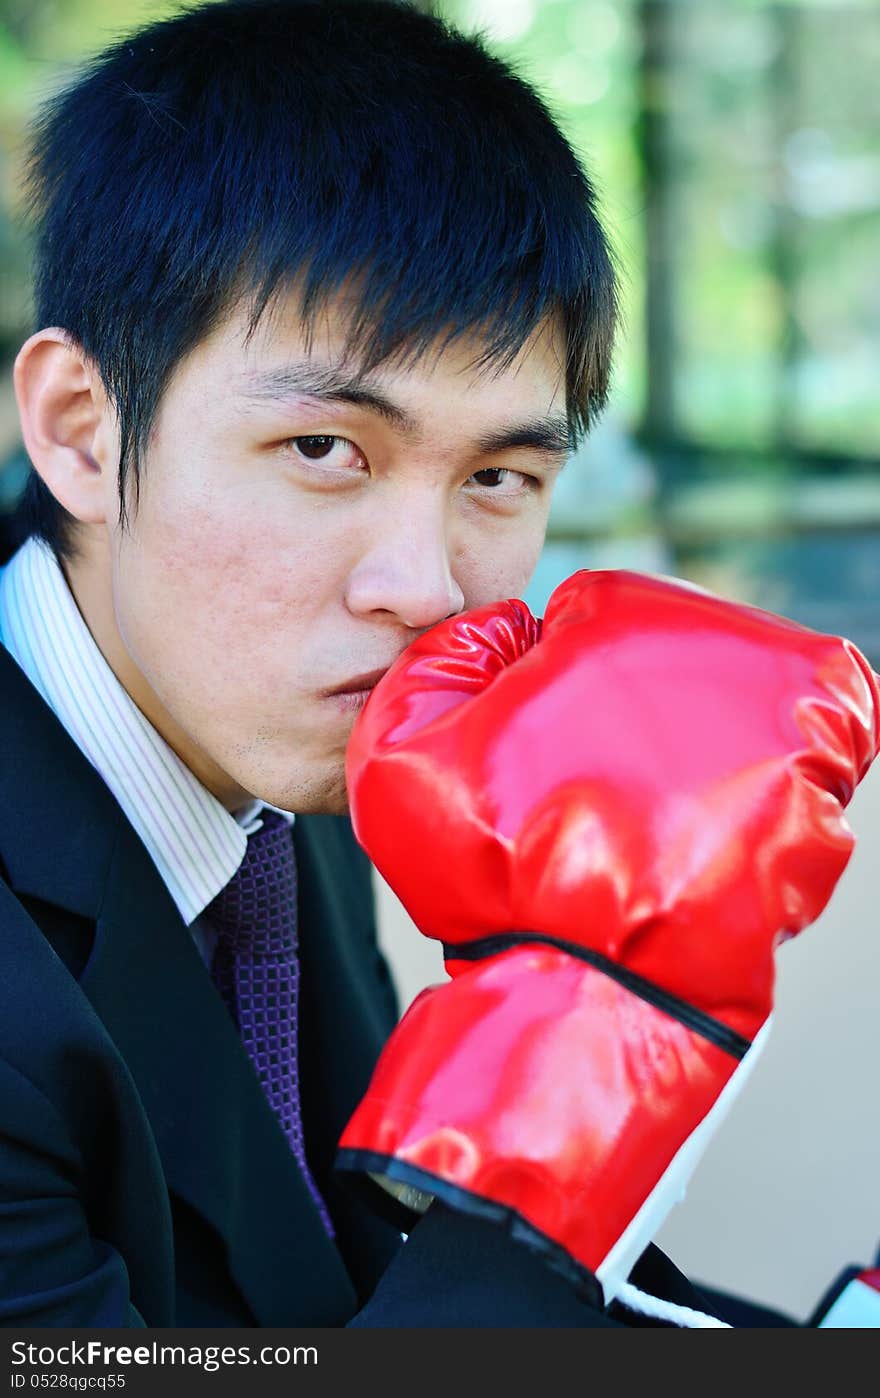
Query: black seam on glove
point(366, 1162)
point(717, 1033)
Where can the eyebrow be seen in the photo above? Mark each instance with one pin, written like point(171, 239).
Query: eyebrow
point(331, 384)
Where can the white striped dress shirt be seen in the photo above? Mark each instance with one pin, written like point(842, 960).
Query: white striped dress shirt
point(195, 843)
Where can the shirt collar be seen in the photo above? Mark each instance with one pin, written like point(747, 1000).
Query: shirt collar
point(194, 841)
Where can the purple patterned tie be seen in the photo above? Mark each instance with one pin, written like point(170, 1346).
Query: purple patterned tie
point(256, 970)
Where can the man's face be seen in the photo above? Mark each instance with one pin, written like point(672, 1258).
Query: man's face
point(298, 527)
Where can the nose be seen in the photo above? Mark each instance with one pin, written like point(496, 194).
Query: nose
point(405, 570)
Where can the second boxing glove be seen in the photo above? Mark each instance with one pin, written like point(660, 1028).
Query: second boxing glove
point(610, 819)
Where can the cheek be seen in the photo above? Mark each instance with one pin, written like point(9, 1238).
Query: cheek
point(197, 564)
point(491, 569)
point(216, 591)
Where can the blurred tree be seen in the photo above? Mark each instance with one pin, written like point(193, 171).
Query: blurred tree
point(736, 152)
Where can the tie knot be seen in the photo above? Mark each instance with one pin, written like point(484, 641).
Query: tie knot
point(256, 911)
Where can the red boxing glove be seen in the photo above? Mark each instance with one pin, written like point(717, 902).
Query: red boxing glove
point(610, 819)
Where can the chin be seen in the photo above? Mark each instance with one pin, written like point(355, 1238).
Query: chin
point(332, 799)
point(337, 804)
point(318, 794)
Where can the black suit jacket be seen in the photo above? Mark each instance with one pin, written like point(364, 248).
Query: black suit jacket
point(144, 1179)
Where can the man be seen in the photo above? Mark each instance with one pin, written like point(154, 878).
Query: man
point(306, 363)
point(322, 303)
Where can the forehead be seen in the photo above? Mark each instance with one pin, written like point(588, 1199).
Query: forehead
point(281, 355)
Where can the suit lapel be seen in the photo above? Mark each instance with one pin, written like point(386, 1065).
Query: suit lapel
point(348, 1008)
point(222, 1149)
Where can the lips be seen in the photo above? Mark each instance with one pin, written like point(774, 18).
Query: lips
point(359, 682)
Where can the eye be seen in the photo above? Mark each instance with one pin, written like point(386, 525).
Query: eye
point(336, 451)
point(498, 480)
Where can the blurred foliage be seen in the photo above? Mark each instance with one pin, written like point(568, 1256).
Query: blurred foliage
point(41, 42)
point(583, 56)
point(735, 146)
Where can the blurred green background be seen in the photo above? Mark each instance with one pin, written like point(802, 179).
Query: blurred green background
point(734, 144)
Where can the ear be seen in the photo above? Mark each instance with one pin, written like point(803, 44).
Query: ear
point(67, 424)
